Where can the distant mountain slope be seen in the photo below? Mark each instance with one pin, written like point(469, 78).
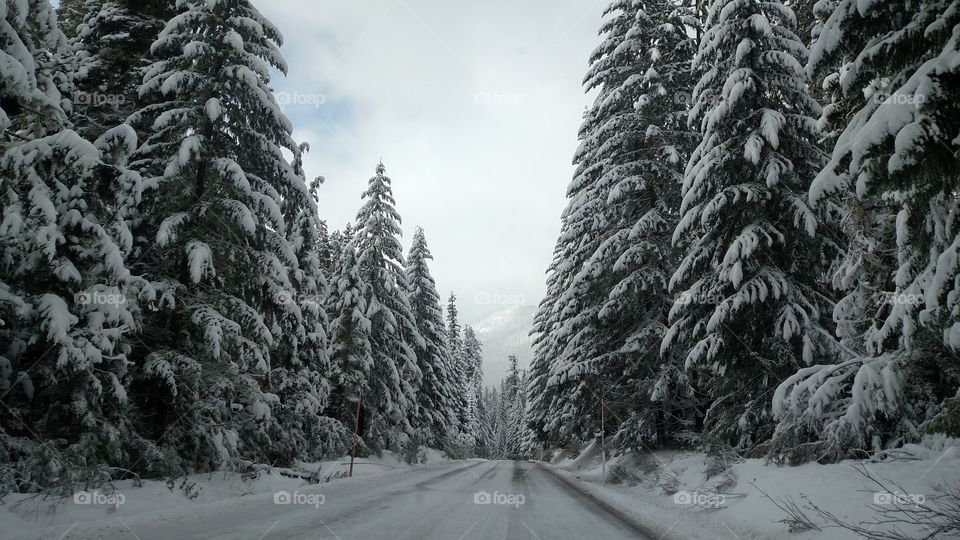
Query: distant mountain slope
point(502, 334)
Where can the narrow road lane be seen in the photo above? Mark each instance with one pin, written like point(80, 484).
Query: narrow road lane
point(484, 500)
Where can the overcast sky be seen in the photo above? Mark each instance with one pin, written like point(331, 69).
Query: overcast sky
point(474, 108)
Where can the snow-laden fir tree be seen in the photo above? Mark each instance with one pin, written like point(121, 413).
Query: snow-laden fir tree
point(394, 337)
point(62, 274)
point(212, 234)
point(472, 365)
point(503, 427)
point(31, 44)
point(435, 416)
point(641, 142)
point(459, 370)
point(832, 410)
point(350, 349)
point(64, 363)
point(515, 404)
point(336, 243)
point(886, 67)
point(749, 309)
point(607, 299)
point(521, 436)
point(109, 52)
point(70, 14)
point(562, 322)
point(65, 321)
point(299, 356)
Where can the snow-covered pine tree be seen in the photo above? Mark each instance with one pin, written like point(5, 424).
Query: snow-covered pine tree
point(643, 147)
point(212, 233)
point(749, 310)
point(519, 431)
point(30, 100)
point(109, 51)
point(561, 398)
point(394, 335)
point(299, 356)
point(326, 249)
point(514, 405)
point(350, 349)
point(487, 425)
point(886, 68)
point(65, 320)
point(459, 372)
point(543, 333)
point(472, 357)
point(337, 242)
point(614, 255)
point(436, 415)
point(64, 361)
point(70, 14)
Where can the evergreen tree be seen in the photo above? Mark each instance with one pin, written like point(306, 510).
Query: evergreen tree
point(394, 335)
point(64, 360)
point(472, 358)
point(436, 412)
point(65, 320)
point(893, 172)
point(566, 314)
point(70, 14)
point(749, 313)
point(212, 234)
point(337, 242)
point(607, 302)
point(300, 351)
point(459, 370)
point(519, 432)
point(350, 349)
point(30, 99)
point(110, 51)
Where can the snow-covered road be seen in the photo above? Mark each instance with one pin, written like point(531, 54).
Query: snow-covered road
point(455, 500)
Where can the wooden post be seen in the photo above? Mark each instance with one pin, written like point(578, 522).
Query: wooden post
point(356, 430)
point(603, 438)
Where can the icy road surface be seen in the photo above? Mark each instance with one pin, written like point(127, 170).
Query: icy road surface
point(515, 500)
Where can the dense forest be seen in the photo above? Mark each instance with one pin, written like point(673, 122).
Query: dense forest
point(170, 299)
point(760, 249)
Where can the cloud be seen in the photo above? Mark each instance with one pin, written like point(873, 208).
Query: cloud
point(474, 108)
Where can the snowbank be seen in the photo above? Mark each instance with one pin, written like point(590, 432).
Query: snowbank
point(24, 515)
point(668, 491)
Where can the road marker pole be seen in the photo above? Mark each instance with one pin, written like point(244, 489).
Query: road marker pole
point(356, 431)
point(603, 438)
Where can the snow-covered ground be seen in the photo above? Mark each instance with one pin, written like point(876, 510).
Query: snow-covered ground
point(659, 495)
point(466, 500)
point(191, 497)
point(668, 491)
